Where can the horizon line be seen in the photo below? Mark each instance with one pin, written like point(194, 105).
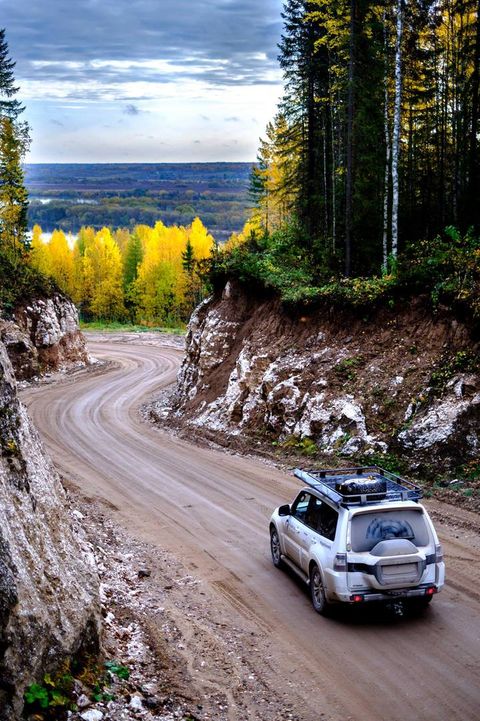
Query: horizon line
point(139, 162)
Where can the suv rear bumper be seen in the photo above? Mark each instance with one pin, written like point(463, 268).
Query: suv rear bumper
point(395, 594)
point(339, 586)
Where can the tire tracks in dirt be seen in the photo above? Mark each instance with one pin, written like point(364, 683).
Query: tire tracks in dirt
point(210, 509)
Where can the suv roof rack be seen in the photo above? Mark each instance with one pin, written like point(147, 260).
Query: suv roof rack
point(325, 481)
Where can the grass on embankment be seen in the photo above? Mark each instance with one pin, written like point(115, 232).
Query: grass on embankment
point(117, 327)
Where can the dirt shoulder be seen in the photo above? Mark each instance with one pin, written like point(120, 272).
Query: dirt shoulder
point(186, 659)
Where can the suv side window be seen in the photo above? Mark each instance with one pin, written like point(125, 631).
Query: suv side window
point(322, 518)
point(300, 505)
point(329, 520)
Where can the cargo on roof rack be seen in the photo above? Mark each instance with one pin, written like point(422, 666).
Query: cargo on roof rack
point(361, 485)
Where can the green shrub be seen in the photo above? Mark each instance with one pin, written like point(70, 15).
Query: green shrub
point(55, 697)
point(19, 282)
point(345, 369)
point(464, 360)
point(447, 268)
point(306, 446)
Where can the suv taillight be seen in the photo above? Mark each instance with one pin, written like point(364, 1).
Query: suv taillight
point(340, 562)
point(438, 553)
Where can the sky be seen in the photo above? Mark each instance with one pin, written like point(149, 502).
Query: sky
point(145, 80)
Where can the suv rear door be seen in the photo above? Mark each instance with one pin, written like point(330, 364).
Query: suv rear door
point(369, 530)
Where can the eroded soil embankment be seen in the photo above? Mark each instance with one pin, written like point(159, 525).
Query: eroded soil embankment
point(400, 387)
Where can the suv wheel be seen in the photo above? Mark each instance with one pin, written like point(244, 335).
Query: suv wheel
point(275, 548)
point(317, 591)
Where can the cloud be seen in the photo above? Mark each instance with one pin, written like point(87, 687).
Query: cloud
point(57, 122)
point(131, 109)
point(114, 42)
point(193, 70)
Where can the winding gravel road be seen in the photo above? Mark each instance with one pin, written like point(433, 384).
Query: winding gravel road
point(211, 510)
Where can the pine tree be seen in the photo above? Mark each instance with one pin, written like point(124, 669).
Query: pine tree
point(396, 125)
point(304, 62)
point(188, 258)
point(10, 107)
point(14, 140)
point(133, 254)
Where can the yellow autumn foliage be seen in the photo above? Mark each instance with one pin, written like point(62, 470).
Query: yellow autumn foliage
point(105, 284)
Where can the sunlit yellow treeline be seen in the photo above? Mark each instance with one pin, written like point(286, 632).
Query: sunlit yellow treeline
point(148, 275)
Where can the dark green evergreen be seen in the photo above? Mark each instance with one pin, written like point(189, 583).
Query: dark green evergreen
point(133, 258)
point(10, 107)
point(364, 78)
point(14, 141)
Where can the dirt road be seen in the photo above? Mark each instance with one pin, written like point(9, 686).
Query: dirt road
point(211, 511)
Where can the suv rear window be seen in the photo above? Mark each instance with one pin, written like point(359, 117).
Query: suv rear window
point(368, 529)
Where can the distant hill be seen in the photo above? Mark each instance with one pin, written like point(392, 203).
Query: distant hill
point(68, 195)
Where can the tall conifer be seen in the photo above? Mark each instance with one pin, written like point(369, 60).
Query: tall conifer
point(14, 140)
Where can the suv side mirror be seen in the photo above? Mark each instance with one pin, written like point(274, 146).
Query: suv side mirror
point(284, 510)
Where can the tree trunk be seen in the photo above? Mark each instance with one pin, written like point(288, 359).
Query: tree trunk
point(474, 162)
point(325, 176)
point(350, 115)
point(334, 192)
point(386, 185)
point(396, 127)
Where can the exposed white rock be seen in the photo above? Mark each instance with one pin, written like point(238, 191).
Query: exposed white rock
point(282, 405)
point(44, 335)
point(208, 342)
point(92, 714)
point(136, 703)
point(330, 421)
point(440, 423)
point(49, 607)
point(83, 701)
point(409, 412)
point(227, 291)
point(461, 383)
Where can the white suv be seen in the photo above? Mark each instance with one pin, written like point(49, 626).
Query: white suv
point(357, 535)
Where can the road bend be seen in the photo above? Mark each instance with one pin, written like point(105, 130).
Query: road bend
point(211, 509)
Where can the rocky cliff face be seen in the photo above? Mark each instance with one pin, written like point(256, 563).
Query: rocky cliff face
point(43, 336)
point(49, 608)
point(402, 382)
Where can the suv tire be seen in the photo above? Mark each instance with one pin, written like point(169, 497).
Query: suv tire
point(317, 591)
point(275, 548)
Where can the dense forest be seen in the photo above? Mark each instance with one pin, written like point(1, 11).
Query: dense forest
point(376, 140)
point(367, 181)
point(16, 277)
point(152, 275)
